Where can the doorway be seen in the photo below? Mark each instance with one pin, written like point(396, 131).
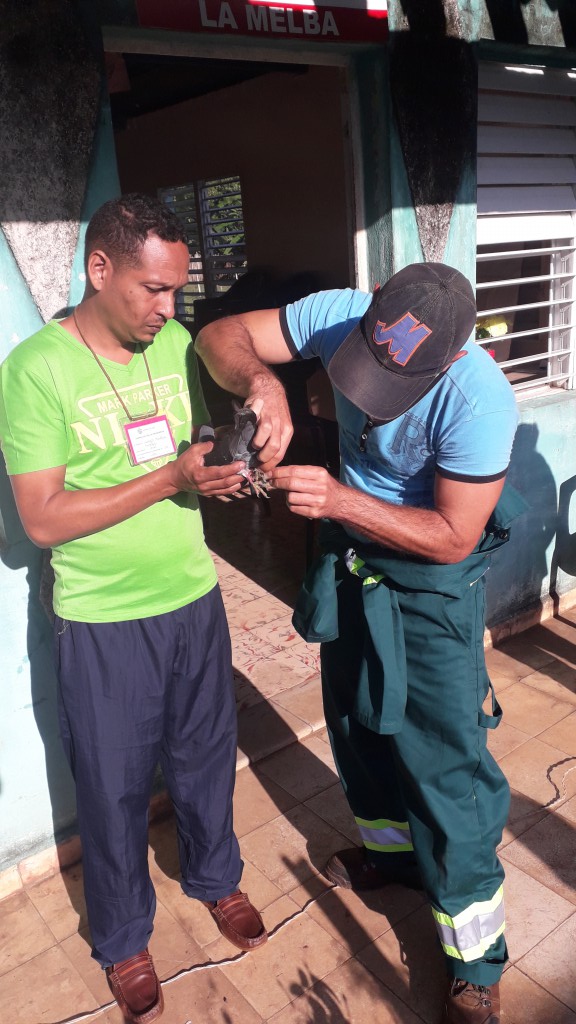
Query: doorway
point(278, 132)
point(276, 128)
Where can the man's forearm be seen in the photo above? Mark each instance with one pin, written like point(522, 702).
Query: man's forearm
point(418, 531)
point(446, 533)
point(68, 515)
point(234, 361)
point(227, 350)
point(52, 515)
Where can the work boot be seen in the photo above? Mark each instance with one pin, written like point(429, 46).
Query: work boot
point(353, 869)
point(472, 1004)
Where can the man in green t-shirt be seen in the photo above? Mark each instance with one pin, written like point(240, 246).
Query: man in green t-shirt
point(97, 412)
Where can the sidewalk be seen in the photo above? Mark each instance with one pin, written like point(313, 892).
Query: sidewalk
point(333, 957)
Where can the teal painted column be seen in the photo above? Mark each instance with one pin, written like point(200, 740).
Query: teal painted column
point(433, 99)
point(369, 75)
point(102, 184)
point(59, 164)
point(417, 118)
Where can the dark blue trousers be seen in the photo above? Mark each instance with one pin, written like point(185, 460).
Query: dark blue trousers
point(134, 694)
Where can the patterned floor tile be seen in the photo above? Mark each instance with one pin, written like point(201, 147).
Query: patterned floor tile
point(257, 800)
point(532, 911)
point(512, 661)
point(291, 962)
point(532, 710)
point(537, 770)
point(303, 769)
point(46, 989)
point(332, 806)
point(266, 728)
point(525, 1002)
point(60, 901)
point(558, 679)
point(23, 933)
point(407, 959)
point(349, 995)
point(551, 963)
point(355, 920)
point(562, 735)
point(291, 848)
point(546, 852)
point(304, 701)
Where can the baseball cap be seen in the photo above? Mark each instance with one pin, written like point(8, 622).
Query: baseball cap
point(410, 333)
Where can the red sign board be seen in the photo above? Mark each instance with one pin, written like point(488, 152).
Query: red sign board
point(294, 20)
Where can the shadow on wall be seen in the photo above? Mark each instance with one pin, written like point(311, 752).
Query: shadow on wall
point(18, 552)
point(516, 578)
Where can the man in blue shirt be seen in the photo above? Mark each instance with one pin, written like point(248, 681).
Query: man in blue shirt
point(426, 424)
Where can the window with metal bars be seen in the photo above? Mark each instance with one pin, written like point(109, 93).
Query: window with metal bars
point(527, 223)
point(211, 211)
point(526, 310)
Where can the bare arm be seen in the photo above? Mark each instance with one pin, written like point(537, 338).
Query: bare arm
point(445, 534)
point(51, 515)
point(236, 352)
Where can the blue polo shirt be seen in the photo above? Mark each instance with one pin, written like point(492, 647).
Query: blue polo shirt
point(463, 428)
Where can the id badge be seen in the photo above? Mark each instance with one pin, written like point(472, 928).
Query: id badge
point(148, 439)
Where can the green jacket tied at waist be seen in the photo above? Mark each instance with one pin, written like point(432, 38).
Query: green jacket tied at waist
point(381, 689)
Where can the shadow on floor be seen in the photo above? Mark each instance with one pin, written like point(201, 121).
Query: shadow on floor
point(261, 539)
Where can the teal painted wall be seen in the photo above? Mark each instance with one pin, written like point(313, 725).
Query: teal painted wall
point(37, 801)
point(36, 792)
point(540, 559)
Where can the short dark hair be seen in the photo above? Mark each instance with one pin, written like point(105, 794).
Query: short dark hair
point(121, 226)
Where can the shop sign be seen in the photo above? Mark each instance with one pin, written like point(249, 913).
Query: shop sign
point(323, 20)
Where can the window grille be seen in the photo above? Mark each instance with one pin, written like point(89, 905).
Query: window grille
point(211, 211)
point(220, 205)
point(527, 223)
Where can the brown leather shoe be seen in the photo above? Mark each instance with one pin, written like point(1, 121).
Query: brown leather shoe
point(136, 988)
point(352, 869)
point(239, 921)
point(472, 1004)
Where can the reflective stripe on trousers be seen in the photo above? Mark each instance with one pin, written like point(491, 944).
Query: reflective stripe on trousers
point(385, 835)
point(468, 935)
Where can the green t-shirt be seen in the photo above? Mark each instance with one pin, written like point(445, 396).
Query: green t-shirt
point(57, 408)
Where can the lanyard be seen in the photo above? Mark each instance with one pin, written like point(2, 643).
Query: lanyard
point(110, 381)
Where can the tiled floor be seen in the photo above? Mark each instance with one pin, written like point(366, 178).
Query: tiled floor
point(333, 957)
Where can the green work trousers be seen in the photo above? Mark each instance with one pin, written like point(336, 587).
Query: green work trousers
point(432, 790)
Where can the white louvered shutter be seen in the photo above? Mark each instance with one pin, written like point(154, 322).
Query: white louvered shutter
point(527, 222)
